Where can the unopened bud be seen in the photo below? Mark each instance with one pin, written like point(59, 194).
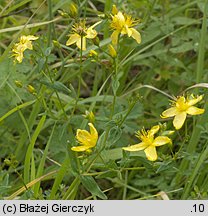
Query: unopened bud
point(93, 53)
point(56, 44)
point(18, 83)
point(31, 89)
point(63, 13)
point(73, 11)
point(114, 10)
point(90, 116)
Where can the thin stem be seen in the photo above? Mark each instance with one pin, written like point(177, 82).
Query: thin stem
point(195, 172)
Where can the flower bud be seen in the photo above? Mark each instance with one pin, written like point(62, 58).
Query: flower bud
point(114, 10)
point(31, 89)
point(93, 53)
point(90, 116)
point(18, 83)
point(56, 44)
point(73, 11)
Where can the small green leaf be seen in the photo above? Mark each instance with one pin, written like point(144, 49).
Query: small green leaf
point(115, 84)
point(114, 135)
point(56, 86)
point(91, 185)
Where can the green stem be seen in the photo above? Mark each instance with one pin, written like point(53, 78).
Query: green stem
point(57, 95)
point(116, 77)
point(195, 172)
point(50, 24)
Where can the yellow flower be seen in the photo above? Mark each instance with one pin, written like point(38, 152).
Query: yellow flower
point(80, 33)
point(181, 107)
point(24, 43)
point(86, 139)
point(149, 143)
point(123, 24)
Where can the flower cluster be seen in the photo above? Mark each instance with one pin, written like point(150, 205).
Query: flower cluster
point(24, 43)
point(120, 24)
point(181, 106)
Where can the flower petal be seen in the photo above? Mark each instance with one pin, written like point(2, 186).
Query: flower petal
point(91, 33)
point(83, 137)
point(154, 130)
point(137, 147)
point(83, 45)
point(80, 148)
point(127, 30)
point(194, 111)
point(193, 101)
point(151, 153)
point(114, 37)
point(31, 37)
point(28, 45)
point(136, 35)
point(73, 39)
point(94, 135)
point(161, 140)
point(179, 120)
point(169, 112)
point(121, 18)
point(97, 23)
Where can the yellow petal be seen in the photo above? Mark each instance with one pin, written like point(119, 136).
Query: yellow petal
point(19, 57)
point(193, 101)
point(154, 130)
point(128, 30)
point(31, 37)
point(179, 120)
point(83, 137)
point(169, 112)
point(161, 140)
point(137, 147)
point(91, 33)
point(151, 153)
point(28, 45)
point(136, 35)
point(80, 148)
point(97, 23)
point(112, 51)
point(83, 45)
point(94, 134)
point(114, 37)
point(73, 39)
point(121, 18)
point(93, 130)
point(194, 111)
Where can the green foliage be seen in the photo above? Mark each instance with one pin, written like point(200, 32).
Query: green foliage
point(44, 100)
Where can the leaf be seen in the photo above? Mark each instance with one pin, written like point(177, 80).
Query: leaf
point(114, 135)
point(90, 184)
point(115, 84)
point(108, 174)
point(183, 48)
point(56, 86)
